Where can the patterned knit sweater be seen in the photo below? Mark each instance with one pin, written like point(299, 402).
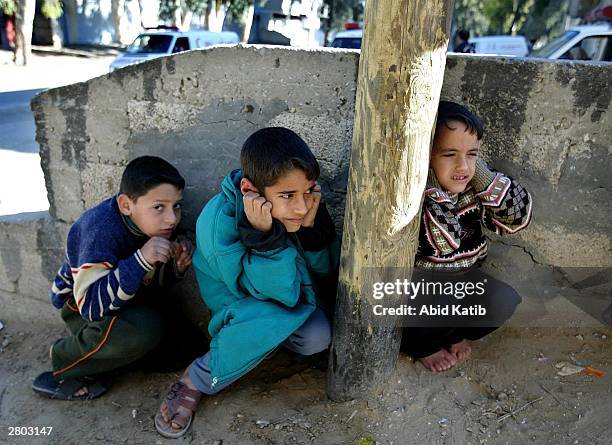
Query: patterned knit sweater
point(104, 268)
point(451, 234)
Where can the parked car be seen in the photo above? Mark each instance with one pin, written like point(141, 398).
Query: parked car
point(491, 45)
point(587, 42)
point(513, 46)
point(348, 39)
point(165, 41)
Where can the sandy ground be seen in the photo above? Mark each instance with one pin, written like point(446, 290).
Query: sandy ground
point(508, 393)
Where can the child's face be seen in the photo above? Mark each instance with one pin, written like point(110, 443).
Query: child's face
point(157, 213)
point(291, 198)
point(454, 155)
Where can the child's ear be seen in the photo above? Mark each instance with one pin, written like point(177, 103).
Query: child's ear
point(125, 204)
point(247, 186)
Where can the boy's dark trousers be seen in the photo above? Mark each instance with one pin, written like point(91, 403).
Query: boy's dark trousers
point(424, 338)
point(141, 333)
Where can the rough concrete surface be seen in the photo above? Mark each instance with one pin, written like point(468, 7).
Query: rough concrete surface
point(31, 251)
point(547, 124)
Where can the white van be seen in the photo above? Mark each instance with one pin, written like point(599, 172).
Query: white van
point(165, 41)
point(513, 46)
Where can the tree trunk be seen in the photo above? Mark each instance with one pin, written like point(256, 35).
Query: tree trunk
point(57, 35)
point(330, 23)
point(70, 13)
point(24, 21)
point(248, 23)
point(178, 14)
point(515, 16)
point(140, 13)
point(216, 17)
point(401, 70)
point(117, 7)
point(186, 18)
point(209, 8)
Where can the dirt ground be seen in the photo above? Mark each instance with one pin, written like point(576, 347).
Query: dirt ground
point(508, 393)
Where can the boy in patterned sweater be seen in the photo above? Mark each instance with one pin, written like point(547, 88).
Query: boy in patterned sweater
point(462, 196)
point(120, 256)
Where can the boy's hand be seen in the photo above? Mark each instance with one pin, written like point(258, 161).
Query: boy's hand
point(313, 201)
point(183, 253)
point(258, 211)
point(157, 250)
point(483, 176)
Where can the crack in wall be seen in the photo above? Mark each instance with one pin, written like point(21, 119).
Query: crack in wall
point(562, 164)
point(523, 248)
point(596, 189)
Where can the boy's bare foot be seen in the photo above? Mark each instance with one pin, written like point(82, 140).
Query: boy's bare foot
point(178, 421)
point(461, 350)
point(439, 361)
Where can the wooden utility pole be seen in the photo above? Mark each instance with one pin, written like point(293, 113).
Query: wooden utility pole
point(401, 69)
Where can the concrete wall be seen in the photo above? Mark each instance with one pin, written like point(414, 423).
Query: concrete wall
point(194, 110)
point(31, 247)
point(548, 124)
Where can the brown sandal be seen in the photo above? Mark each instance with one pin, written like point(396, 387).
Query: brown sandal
point(179, 395)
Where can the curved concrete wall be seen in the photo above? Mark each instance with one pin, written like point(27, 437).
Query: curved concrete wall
point(548, 124)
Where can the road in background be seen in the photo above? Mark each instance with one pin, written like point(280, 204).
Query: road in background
point(22, 185)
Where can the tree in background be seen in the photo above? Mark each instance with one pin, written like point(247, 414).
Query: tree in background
point(24, 11)
point(482, 17)
point(535, 19)
point(24, 21)
point(241, 11)
point(117, 7)
point(179, 13)
point(53, 10)
point(9, 9)
point(505, 16)
point(469, 15)
point(546, 21)
point(211, 12)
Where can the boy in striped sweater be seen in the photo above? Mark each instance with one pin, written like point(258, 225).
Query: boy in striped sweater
point(119, 255)
point(462, 196)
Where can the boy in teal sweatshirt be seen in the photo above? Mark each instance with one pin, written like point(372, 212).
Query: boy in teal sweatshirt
point(266, 255)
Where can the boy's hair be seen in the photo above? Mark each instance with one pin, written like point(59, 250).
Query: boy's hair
point(451, 111)
point(271, 152)
point(147, 172)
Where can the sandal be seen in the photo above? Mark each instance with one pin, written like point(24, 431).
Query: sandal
point(179, 395)
point(64, 389)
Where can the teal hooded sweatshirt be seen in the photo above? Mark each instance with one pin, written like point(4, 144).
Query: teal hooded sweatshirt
point(257, 299)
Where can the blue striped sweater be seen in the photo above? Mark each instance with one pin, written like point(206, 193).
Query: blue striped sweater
point(104, 268)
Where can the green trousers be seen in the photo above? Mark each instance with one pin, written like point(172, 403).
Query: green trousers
point(96, 347)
